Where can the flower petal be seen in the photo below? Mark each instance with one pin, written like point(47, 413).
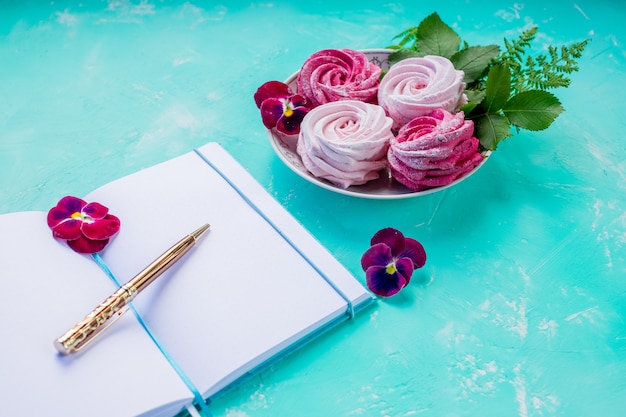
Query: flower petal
point(405, 267)
point(271, 89)
point(71, 203)
point(415, 251)
point(64, 209)
point(95, 210)
point(101, 229)
point(271, 112)
point(69, 229)
point(377, 255)
point(84, 245)
point(391, 237)
point(383, 284)
point(291, 125)
point(299, 101)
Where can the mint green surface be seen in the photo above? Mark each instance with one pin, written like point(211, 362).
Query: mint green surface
point(521, 307)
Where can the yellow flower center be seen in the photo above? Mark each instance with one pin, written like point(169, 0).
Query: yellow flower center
point(77, 216)
point(287, 107)
point(391, 268)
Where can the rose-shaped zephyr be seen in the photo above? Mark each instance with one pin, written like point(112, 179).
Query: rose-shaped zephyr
point(416, 86)
point(338, 74)
point(345, 142)
point(434, 150)
point(87, 227)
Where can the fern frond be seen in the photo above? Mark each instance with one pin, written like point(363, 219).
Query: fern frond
point(544, 71)
point(515, 51)
point(408, 37)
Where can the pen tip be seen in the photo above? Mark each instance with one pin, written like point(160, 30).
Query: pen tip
point(198, 233)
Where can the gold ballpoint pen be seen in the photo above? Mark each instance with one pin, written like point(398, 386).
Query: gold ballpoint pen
point(113, 307)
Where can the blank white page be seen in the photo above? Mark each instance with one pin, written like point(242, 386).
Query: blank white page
point(244, 293)
point(47, 288)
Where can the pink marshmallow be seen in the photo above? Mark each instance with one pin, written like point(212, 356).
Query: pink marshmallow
point(338, 74)
point(345, 142)
point(434, 150)
point(416, 86)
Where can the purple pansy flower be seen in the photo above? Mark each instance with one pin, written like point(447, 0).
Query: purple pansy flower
point(390, 261)
point(271, 89)
point(86, 227)
point(280, 107)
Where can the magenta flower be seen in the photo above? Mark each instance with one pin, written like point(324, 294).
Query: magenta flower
point(280, 107)
point(390, 261)
point(86, 227)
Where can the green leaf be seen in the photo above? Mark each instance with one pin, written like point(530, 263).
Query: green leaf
point(468, 107)
point(498, 88)
point(434, 37)
point(490, 129)
point(474, 98)
point(474, 60)
point(475, 95)
point(533, 109)
point(401, 54)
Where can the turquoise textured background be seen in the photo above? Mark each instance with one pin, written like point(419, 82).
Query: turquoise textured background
point(520, 309)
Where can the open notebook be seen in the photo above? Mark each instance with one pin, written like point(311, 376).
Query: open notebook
point(255, 287)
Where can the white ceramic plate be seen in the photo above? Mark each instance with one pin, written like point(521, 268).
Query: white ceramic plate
point(384, 187)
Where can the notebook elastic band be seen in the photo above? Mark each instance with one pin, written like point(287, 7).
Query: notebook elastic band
point(190, 385)
point(350, 307)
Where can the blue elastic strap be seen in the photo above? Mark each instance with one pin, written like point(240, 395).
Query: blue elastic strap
point(196, 393)
point(350, 307)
